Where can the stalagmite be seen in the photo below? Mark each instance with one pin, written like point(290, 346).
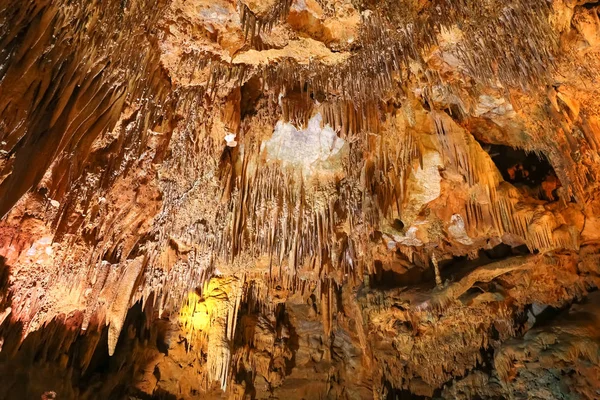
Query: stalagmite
point(438, 279)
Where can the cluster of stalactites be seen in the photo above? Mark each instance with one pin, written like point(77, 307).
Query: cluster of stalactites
point(504, 207)
point(266, 211)
point(270, 211)
point(75, 85)
point(209, 321)
point(515, 35)
point(514, 46)
point(511, 43)
point(253, 24)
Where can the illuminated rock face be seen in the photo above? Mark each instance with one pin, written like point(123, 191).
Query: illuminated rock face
point(299, 199)
point(309, 150)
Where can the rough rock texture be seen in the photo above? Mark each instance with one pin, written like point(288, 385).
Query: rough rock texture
point(306, 199)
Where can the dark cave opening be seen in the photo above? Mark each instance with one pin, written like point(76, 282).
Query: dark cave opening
point(531, 172)
point(457, 268)
point(392, 393)
point(400, 272)
point(544, 314)
point(395, 274)
point(251, 92)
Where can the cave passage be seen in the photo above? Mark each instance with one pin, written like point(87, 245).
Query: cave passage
point(526, 170)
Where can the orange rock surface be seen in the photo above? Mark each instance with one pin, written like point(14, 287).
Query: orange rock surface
point(299, 199)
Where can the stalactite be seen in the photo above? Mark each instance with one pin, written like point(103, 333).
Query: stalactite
point(121, 301)
point(98, 90)
point(253, 24)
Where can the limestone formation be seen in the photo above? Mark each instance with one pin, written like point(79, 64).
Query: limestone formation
point(299, 199)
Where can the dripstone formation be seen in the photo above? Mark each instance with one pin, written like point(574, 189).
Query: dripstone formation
point(299, 199)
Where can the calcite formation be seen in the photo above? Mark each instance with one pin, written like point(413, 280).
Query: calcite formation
point(299, 199)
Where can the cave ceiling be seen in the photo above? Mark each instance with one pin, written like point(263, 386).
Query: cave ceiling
point(299, 199)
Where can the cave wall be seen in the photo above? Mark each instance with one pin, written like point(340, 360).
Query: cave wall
point(299, 199)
